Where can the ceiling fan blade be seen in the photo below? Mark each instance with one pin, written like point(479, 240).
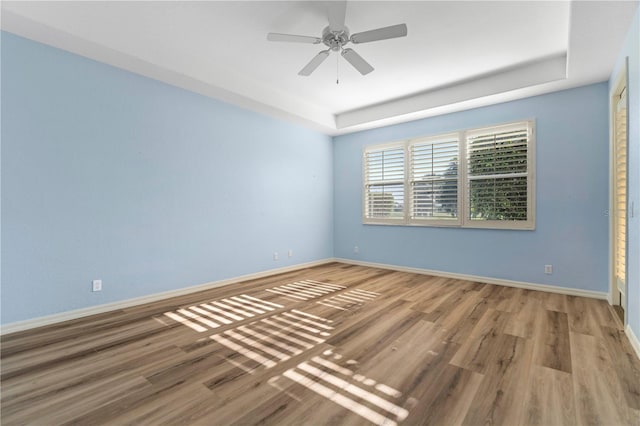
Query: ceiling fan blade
point(315, 63)
point(336, 12)
point(393, 31)
point(293, 38)
point(356, 60)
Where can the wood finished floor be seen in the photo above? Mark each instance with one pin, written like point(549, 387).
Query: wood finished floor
point(333, 344)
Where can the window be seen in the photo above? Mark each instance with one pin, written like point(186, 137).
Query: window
point(481, 178)
point(433, 177)
point(498, 176)
point(384, 183)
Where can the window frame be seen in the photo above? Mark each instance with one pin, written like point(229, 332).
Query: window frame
point(365, 184)
point(463, 219)
point(457, 222)
point(529, 223)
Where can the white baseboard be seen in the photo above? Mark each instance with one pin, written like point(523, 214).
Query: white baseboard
point(99, 309)
point(633, 339)
point(498, 281)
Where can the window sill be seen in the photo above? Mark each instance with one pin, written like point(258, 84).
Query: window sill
point(472, 225)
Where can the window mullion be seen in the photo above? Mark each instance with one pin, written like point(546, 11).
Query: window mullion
point(408, 193)
point(463, 193)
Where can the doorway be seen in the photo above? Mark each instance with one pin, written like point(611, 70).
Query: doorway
point(619, 198)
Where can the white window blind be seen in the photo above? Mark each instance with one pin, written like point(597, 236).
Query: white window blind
point(477, 178)
point(384, 183)
point(433, 178)
point(620, 191)
point(498, 173)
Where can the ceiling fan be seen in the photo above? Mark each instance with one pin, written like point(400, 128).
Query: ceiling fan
point(336, 36)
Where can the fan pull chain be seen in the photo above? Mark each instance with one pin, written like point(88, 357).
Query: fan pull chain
point(338, 68)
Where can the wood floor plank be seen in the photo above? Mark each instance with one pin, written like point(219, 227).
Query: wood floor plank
point(460, 298)
point(477, 352)
point(459, 323)
point(192, 366)
point(601, 312)
point(429, 301)
point(394, 348)
point(549, 398)
point(527, 319)
point(74, 402)
point(447, 398)
point(553, 301)
point(32, 389)
point(259, 403)
point(581, 319)
point(624, 364)
point(598, 395)
point(124, 403)
point(553, 347)
point(168, 409)
point(387, 361)
point(393, 317)
point(499, 399)
point(75, 349)
point(512, 300)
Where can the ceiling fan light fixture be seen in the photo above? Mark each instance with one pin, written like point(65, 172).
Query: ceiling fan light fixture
point(336, 36)
point(334, 40)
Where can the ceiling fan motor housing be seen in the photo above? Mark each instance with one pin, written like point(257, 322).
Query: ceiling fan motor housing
point(334, 40)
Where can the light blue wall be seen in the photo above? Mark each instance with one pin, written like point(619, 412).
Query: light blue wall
point(631, 49)
point(571, 233)
point(107, 174)
point(110, 175)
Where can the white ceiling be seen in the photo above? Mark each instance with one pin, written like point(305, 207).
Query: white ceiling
point(457, 55)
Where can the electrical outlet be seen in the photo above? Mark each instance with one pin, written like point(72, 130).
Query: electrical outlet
point(290, 253)
point(275, 255)
point(548, 269)
point(356, 249)
point(96, 285)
